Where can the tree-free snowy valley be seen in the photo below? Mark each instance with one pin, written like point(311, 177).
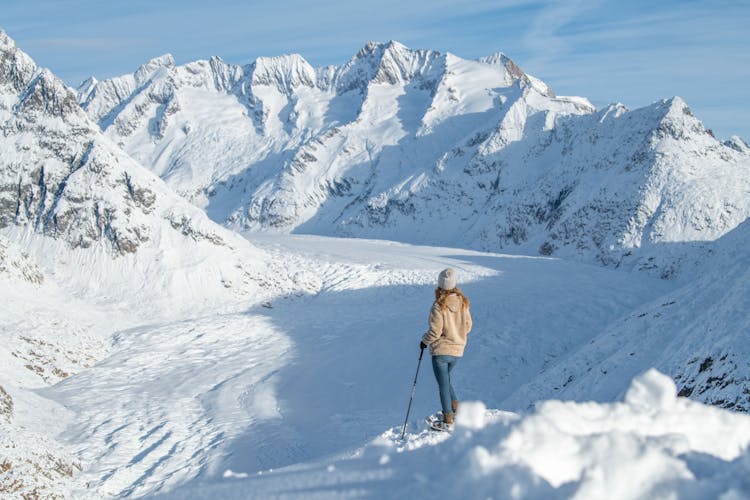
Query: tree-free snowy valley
point(214, 280)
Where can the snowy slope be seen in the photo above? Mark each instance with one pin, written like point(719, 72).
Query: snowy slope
point(425, 147)
point(697, 334)
point(46, 335)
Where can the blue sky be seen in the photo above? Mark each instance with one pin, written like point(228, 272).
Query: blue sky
point(630, 51)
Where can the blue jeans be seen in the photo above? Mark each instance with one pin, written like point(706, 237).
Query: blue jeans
point(442, 365)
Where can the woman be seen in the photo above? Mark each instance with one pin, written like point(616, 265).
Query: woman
point(450, 322)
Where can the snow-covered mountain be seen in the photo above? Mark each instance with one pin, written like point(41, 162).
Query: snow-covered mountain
point(426, 147)
point(62, 179)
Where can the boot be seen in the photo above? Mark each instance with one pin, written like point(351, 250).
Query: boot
point(448, 419)
point(454, 405)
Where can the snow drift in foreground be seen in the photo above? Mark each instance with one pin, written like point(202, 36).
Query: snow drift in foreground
point(652, 444)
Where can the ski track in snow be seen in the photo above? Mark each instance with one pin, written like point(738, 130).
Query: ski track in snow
point(153, 413)
point(312, 375)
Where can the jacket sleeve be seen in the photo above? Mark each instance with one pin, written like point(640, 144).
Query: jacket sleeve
point(469, 323)
point(436, 325)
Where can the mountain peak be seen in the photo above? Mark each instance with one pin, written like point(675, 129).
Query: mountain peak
point(395, 45)
point(496, 58)
point(377, 62)
point(16, 67)
point(147, 70)
point(674, 108)
point(84, 90)
point(675, 102)
point(287, 72)
point(738, 144)
point(674, 120)
point(514, 72)
point(500, 59)
point(612, 111)
point(6, 42)
point(162, 60)
point(369, 49)
point(379, 49)
point(88, 83)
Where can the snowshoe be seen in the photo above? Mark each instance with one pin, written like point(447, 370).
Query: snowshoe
point(435, 422)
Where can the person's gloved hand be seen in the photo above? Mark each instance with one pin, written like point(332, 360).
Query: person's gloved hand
point(422, 346)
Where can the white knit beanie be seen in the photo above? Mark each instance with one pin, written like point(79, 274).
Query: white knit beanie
point(447, 279)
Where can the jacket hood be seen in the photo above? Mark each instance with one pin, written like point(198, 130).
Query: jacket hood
point(453, 302)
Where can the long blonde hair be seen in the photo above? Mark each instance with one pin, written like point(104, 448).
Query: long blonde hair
point(441, 294)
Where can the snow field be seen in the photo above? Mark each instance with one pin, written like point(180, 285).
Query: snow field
point(355, 342)
point(189, 405)
point(258, 381)
point(168, 400)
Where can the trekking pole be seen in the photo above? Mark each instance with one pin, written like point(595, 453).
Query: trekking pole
point(411, 398)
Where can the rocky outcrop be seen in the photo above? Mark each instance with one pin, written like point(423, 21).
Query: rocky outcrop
point(59, 176)
point(15, 265)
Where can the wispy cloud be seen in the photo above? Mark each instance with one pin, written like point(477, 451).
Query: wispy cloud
point(543, 38)
point(93, 43)
point(638, 52)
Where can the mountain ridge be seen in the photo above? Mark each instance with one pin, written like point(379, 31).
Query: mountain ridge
point(379, 144)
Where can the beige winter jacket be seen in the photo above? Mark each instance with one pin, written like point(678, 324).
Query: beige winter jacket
point(448, 329)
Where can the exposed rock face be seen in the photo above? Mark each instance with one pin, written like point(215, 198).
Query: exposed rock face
point(59, 176)
point(18, 266)
point(6, 405)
